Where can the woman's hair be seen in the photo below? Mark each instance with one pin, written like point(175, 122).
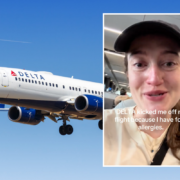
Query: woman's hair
point(173, 135)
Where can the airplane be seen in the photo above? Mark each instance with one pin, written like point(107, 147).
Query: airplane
point(36, 95)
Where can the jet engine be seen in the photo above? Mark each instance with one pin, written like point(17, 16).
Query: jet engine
point(89, 104)
point(25, 115)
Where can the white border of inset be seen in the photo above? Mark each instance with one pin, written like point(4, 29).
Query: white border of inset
point(144, 14)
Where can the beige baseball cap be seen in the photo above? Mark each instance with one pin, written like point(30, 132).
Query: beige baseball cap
point(125, 39)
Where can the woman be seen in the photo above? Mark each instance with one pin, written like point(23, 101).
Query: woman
point(147, 134)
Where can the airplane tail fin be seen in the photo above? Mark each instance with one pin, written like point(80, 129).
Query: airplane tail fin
point(2, 107)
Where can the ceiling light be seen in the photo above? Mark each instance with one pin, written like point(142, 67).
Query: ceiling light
point(112, 30)
point(119, 71)
point(113, 53)
point(122, 85)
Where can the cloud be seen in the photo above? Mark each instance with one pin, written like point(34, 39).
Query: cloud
point(14, 41)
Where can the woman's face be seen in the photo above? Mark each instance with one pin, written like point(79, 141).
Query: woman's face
point(154, 72)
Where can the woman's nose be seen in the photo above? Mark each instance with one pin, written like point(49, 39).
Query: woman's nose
point(154, 75)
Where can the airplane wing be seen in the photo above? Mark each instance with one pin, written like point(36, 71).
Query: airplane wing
point(81, 107)
point(70, 100)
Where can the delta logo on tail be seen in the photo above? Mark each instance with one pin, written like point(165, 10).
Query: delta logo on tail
point(13, 73)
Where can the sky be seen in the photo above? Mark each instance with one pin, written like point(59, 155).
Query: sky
point(64, 38)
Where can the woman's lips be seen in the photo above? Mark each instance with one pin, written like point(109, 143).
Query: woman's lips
point(155, 95)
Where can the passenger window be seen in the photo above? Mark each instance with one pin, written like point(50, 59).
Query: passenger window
point(70, 87)
point(95, 92)
point(89, 91)
point(53, 84)
point(46, 83)
point(102, 93)
point(63, 87)
point(84, 90)
point(23, 79)
point(36, 82)
point(79, 89)
point(76, 89)
point(73, 88)
point(49, 84)
point(56, 85)
point(16, 78)
point(98, 92)
point(26, 80)
point(42, 83)
point(19, 79)
point(32, 81)
point(92, 92)
point(39, 82)
point(29, 80)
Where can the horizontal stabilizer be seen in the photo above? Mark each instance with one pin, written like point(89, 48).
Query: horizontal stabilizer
point(2, 107)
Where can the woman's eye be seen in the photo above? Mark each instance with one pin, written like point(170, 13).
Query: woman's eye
point(139, 65)
point(169, 64)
